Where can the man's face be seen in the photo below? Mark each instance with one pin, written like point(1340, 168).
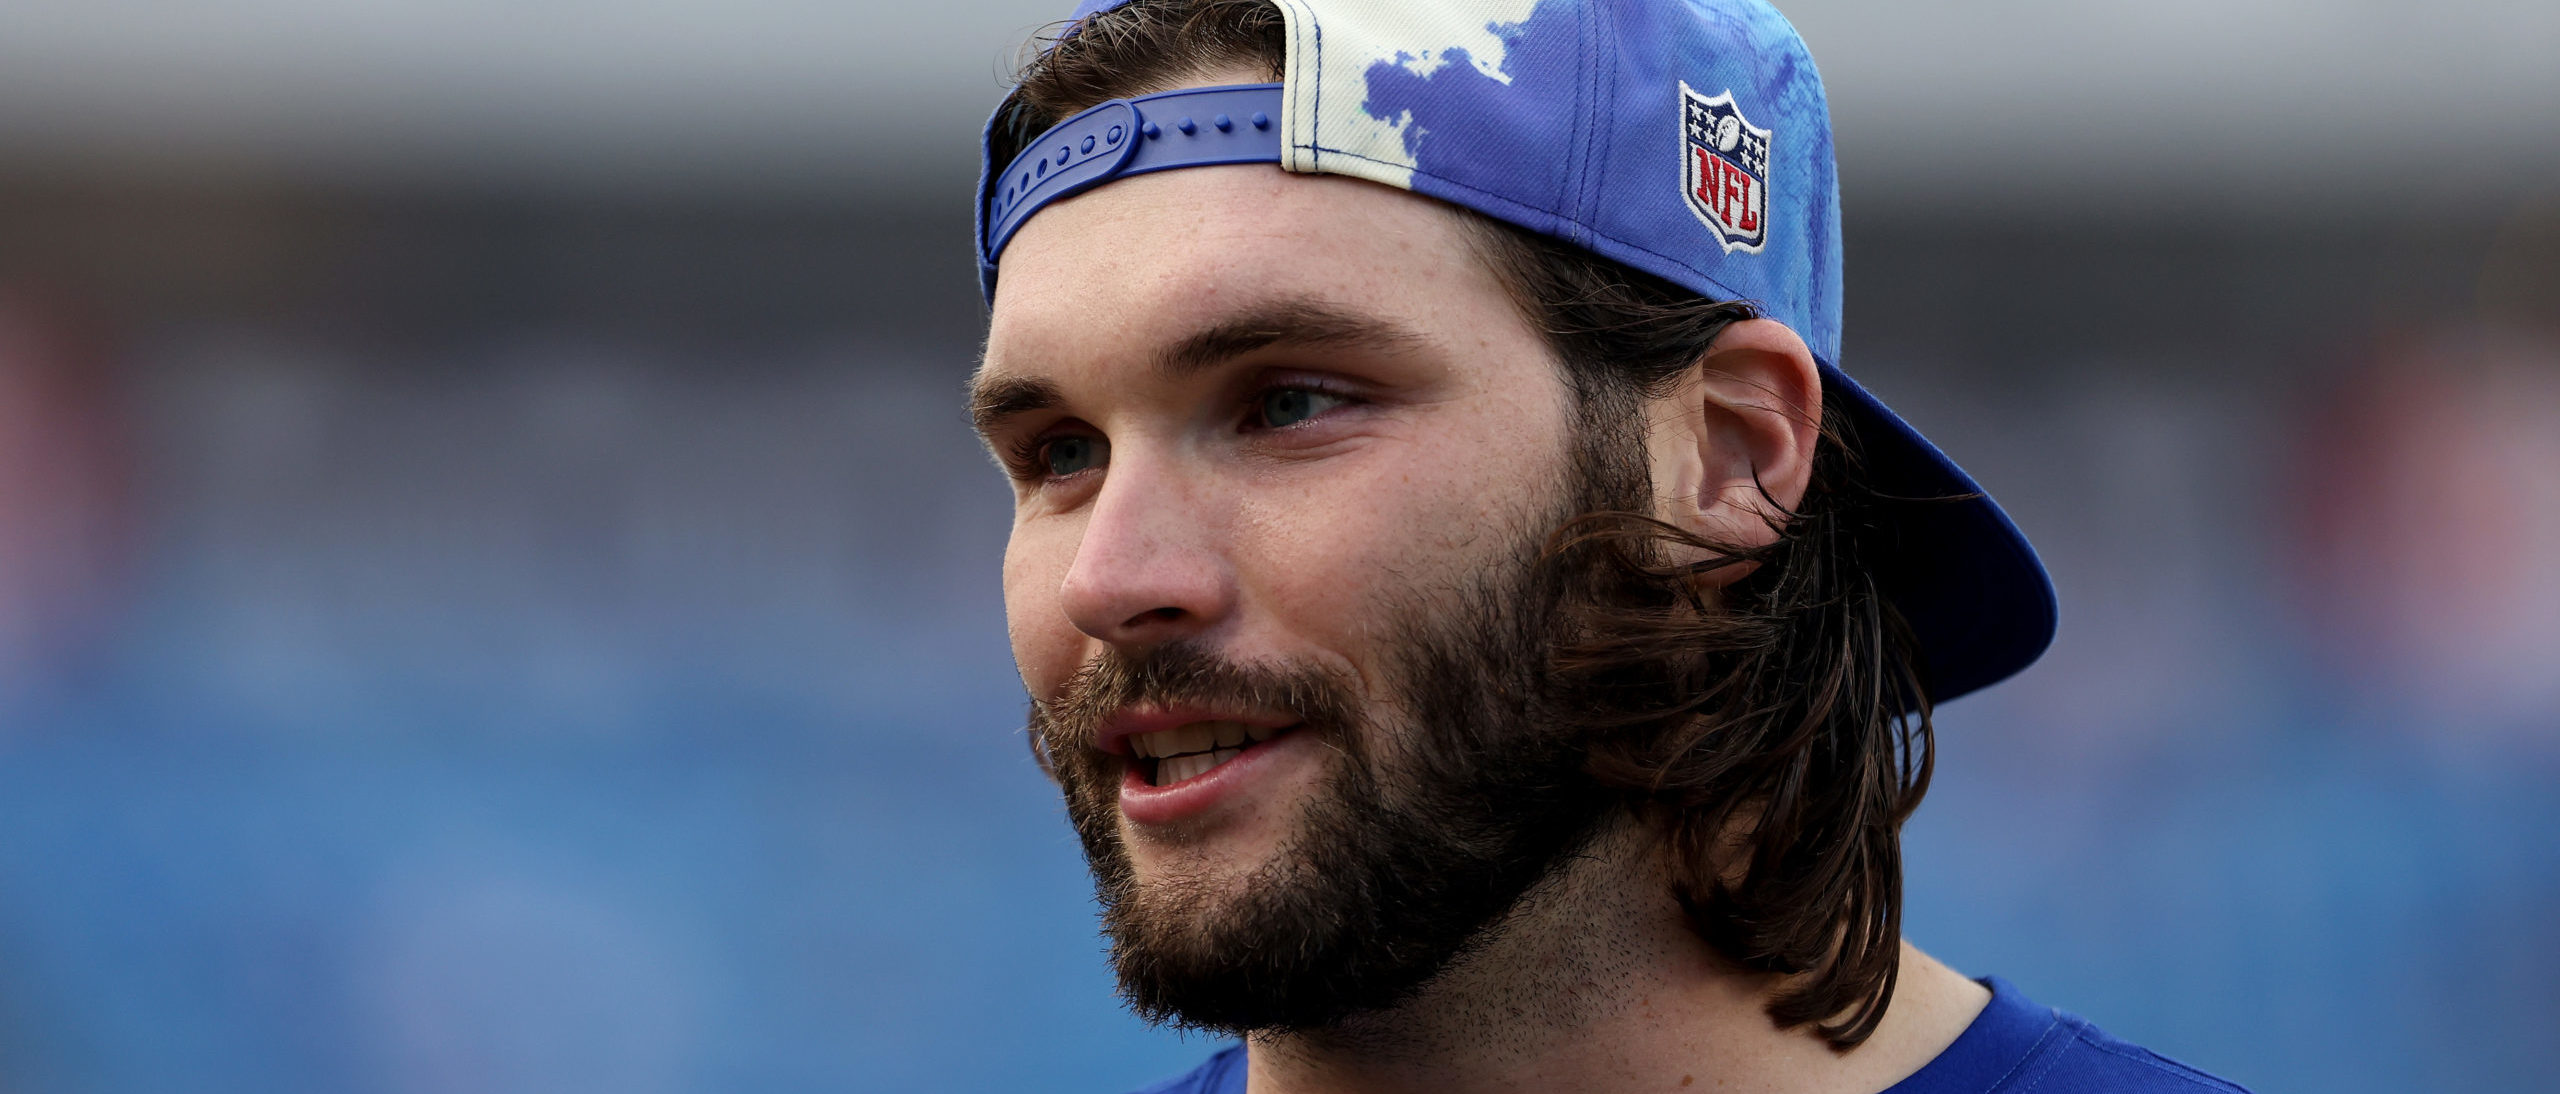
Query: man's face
point(1283, 453)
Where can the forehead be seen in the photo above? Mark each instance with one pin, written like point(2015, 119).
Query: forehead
point(1144, 261)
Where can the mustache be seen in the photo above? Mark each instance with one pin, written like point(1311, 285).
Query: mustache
point(1190, 674)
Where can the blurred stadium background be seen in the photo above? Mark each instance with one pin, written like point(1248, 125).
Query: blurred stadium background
point(496, 593)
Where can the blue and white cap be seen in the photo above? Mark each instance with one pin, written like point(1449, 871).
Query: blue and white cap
point(1689, 139)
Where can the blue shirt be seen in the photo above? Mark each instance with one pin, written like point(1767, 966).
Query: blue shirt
point(2012, 1047)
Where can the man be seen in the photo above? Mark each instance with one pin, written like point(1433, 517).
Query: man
point(1485, 642)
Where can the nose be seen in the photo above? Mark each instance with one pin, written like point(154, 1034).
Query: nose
point(1147, 570)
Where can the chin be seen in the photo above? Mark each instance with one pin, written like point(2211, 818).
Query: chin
point(1208, 870)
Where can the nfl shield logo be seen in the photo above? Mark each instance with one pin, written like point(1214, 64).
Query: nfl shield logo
point(1725, 169)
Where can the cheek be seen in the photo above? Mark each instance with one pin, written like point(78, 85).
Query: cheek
point(1047, 648)
point(1389, 539)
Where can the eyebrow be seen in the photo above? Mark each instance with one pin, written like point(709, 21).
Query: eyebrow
point(996, 400)
point(1292, 322)
point(1297, 321)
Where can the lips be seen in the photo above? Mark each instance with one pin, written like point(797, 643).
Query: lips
point(1170, 756)
point(1183, 761)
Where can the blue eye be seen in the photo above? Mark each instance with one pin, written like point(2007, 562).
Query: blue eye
point(1064, 456)
point(1283, 407)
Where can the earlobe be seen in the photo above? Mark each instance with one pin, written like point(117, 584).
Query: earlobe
point(1733, 442)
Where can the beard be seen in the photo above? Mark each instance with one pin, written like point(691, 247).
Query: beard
point(1425, 832)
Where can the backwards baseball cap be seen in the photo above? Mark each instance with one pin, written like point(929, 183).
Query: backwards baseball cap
point(1689, 139)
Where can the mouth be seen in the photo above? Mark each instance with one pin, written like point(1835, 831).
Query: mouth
point(1171, 757)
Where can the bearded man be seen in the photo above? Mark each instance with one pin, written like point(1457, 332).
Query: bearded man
point(1484, 641)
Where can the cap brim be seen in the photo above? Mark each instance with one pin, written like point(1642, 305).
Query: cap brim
point(1964, 577)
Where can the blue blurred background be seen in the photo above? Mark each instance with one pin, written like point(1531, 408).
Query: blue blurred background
point(496, 593)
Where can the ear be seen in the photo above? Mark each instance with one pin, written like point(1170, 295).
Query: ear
point(1732, 442)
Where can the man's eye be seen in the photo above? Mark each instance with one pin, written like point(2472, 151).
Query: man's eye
point(1287, 406)
point(1064, 456)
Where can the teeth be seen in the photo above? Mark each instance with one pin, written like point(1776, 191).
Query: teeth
point(1184, 768)
point(1196, 737)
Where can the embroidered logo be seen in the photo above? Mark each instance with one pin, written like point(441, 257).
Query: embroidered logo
point(1724, 171)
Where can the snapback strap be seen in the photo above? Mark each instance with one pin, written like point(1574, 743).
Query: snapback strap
point(1194, 127)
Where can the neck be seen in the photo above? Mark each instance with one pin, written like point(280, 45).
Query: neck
point(1595, 982)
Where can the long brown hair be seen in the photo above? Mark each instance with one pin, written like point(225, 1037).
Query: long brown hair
point(1776, 731)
